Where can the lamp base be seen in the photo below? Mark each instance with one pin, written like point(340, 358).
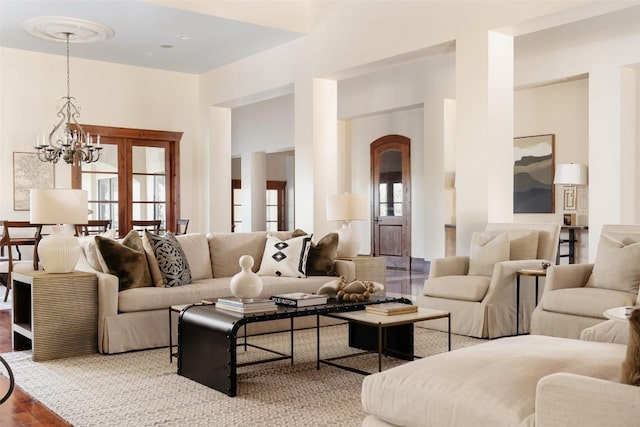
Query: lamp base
point(59, 252)
point(348, 241)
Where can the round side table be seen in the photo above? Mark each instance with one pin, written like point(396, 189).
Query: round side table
point(616, 313)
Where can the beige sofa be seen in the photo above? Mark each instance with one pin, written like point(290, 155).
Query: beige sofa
point(523, 381)
point(136, 319)
point(483, 302)
point(577, 295)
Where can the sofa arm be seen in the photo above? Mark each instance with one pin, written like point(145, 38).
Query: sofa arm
point(565, 400)
point(502, 286)
point(345, 268)
point(108, 287)
point(567, 276)
point(449, 266)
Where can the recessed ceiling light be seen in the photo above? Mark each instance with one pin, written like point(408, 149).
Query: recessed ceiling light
point(183, 37)
point(166, 46)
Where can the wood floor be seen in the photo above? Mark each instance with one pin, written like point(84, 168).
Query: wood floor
point(21, 410)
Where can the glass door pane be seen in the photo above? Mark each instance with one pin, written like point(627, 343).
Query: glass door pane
point(148, 188)
point(100, 180)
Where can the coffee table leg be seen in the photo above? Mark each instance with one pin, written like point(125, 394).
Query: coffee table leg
point(379, 348)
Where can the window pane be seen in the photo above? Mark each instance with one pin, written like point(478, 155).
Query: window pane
point(383, 209)
point(272, 197)
point(397, 192)
point(148, 188)
point(108, 160)
point(397, 209)
point(147, 160)
point(272, 213)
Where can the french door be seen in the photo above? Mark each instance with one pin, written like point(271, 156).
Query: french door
point(136, 178)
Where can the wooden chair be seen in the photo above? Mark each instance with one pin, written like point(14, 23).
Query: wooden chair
point(181, 226)
point(16, 234)
point(151, 225)
point(94, 226)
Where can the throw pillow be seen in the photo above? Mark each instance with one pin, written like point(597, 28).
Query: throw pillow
point(172, 261)
point(486, 252)
point(286, 258)
point(617, 266)
point(322, 256)
point(126, 260)
point(88, 245)
point(156, 276)
point(631, 364)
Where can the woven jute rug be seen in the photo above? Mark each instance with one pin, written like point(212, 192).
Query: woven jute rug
point(143, 389)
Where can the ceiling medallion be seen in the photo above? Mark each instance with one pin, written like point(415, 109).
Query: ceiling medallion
point(56, 28)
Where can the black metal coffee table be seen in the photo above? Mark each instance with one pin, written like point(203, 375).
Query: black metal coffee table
point(208, 339)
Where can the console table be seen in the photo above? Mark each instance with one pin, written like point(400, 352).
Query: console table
point(55, 314)
point(571, 241)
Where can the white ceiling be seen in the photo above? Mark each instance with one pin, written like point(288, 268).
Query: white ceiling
point(142, 26)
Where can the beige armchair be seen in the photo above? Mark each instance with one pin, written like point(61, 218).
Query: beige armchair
point(576, 295)
point(480, 290)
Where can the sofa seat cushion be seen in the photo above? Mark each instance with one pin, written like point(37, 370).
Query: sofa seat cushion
point(464, 288)
point(490, 384)
point(155, 298)
point(585, 302)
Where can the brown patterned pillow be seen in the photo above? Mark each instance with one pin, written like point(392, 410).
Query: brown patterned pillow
point(631, 365)
point(127, 260)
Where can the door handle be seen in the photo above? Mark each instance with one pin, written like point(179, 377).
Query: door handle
point(375, 219)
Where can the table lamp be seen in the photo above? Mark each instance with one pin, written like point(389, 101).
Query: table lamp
point(570, 174)
point(347, 207)
point(58, 252)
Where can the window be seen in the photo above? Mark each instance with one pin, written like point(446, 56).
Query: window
point(275, 209)
point(136, 178)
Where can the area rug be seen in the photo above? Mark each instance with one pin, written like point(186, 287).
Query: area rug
point(142, 388)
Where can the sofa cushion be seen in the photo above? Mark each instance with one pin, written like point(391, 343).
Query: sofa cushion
point(172, 261)
point(631, 364)
point(490, 384)
point(286, 258)
point(227, 248)
point(586, 302)
point(617, 266)
point(464, 288)
point(88, 245)
point(486, 251)
point(127, 260)
point(322, 255)
point(196, 249)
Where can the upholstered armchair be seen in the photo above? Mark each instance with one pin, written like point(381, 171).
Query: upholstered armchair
point(576, 295)
point(479, 290)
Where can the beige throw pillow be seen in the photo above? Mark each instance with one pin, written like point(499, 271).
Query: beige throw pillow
point(617, 266)
point(88, 245)
point(486, 251)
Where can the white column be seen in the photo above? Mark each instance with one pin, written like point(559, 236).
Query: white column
point(219, 219)
point(316, 140)
point(254, 188)
point(611, 150)
point(484, 133)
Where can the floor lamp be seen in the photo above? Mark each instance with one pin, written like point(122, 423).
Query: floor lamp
point(347, 207)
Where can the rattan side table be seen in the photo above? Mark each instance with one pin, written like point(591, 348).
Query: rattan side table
point(371, 268)
point(55, 315)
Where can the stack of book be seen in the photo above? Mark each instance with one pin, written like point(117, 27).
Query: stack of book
point(299, 299)
point(257, 305)
point(391, 308)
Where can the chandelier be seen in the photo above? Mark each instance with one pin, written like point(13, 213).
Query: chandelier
point(68, 141)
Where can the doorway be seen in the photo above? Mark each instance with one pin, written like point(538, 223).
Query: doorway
point(391, 178)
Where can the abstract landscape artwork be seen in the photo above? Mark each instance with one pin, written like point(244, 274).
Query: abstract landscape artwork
point(533, 174)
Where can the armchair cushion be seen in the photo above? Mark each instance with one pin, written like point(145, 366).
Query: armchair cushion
point(464, 288)
point(585, 302)
point(486, 251)
point(617, 266)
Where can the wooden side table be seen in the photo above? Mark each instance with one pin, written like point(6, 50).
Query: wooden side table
point(55, 315)
point(531, 273)
point(371, 268)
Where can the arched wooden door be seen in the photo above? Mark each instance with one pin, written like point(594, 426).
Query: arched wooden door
point(391, 178)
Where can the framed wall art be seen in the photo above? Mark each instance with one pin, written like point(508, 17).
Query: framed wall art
point(533, 190)
point(29, 172)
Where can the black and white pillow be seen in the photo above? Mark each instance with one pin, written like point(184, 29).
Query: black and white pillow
point(172, 261)
point(286, 258)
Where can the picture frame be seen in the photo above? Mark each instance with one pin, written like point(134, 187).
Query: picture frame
point(29, 172)
point(533, 189)
point(569, 198)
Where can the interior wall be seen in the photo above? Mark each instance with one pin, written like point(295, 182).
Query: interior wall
point(31, 85)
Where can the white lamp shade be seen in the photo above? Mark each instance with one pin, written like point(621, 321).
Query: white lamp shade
point(58, 206)
point(347, 207)
point(570, 174)
point(58, 252)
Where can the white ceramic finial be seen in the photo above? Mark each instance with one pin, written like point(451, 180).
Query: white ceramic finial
point(246, 285)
